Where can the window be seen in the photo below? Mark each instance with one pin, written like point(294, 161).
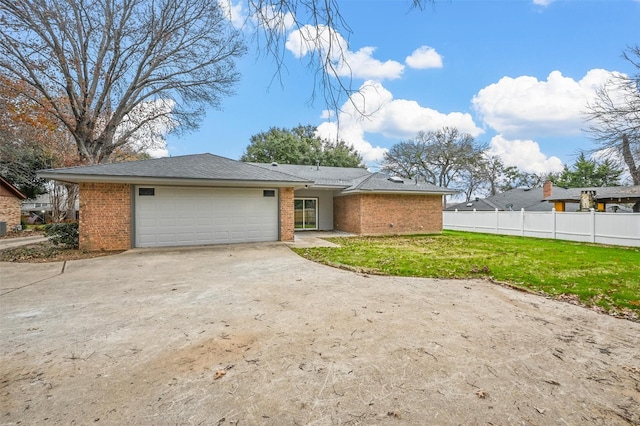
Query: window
point(269, 193)
point(146, 192)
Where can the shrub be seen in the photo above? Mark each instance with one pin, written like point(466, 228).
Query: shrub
point(65, 234)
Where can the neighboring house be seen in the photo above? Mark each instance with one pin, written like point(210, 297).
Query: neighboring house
point(606, 198)
point(208, 199)
point(36, 209)
point(530, 199)
point(549, 197)
point(40, 208)
point(10, 200)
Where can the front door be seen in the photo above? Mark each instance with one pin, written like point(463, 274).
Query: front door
point(306, 213)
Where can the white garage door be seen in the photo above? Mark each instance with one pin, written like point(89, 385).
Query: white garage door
point(178, 216)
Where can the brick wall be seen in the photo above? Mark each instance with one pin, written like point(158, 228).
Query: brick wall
point(346, 213)
point(379, 214)
point(286, 214)
point(105, 216)
point(10, 210)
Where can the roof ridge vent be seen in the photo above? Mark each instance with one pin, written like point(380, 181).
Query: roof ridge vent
point(396, 179)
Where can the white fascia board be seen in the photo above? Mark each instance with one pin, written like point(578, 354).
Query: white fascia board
point(141, 180)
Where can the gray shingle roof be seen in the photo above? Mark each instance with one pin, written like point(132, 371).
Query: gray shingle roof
point(614, 193)
point(339, 177)
point(514, 199)
point(190, 167)
point(353, 179)
point(533, 199)
point(208, 167)
point(382, 182)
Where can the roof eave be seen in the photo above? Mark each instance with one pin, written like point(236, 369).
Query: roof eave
point(321, 186)
point(150, 180)
point(15, 191)
point(383, 191)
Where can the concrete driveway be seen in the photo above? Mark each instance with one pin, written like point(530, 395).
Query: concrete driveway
point(254, 334)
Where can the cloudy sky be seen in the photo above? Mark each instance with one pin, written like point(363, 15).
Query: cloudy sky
point(515, 74)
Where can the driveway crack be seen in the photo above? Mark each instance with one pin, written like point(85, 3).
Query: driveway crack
point(64, 265)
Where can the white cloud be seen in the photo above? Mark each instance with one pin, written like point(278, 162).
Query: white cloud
point(235, 13)
point(354, 136)
point(373, 110)
point(267, 17)
point(274, 20)
point(424, 57)
point(151, 136)
point(327, 114)
point(329, 43)
point(524, 106)
point(524, 154)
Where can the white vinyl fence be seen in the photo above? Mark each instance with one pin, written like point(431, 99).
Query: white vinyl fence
point(593, 227)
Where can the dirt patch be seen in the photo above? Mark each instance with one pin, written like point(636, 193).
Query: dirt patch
point(44, 252)
point(254, 334)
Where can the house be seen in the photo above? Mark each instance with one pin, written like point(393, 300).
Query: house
point(530, 199)
point(600, 198)
point(549, 197)
point(208, 199)
point(41, 209)
point(10, 202)
point(36, 209)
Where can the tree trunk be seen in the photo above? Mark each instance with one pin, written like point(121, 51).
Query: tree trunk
point(627, 155)
point(70, 202)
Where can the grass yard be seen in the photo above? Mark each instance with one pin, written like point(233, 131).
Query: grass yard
point(599, 276)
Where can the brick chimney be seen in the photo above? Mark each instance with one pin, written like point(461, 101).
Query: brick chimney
point(547, 189)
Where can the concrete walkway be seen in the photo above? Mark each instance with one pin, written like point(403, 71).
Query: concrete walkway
point(6, 243)
point(306, 239)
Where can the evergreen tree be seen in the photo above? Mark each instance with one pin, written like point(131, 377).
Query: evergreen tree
point(299, 145)
point(585, 173)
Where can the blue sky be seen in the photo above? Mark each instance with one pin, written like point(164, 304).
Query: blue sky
point(516, 74)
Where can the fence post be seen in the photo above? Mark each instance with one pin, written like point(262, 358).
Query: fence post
point(553, 223)
point(497, 220)
point(522, 221)
point(592, 212)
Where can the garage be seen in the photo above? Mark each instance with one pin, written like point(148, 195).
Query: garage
point(183, 216)
point(186, 200)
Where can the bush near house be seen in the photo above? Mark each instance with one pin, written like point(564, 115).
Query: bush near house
point(63, 234)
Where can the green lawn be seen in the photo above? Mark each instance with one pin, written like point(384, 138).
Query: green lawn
point(604, 276)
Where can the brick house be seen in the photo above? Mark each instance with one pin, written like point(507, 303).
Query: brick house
point(10, 204)
point(208, 199)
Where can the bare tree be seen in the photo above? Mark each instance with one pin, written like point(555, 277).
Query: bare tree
point(482, 176)
point(614, 117)
point(63, 198)
point(110, 69)
point(438, 157)
point(320, 23)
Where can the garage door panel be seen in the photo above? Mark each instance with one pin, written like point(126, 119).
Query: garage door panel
point(165, 221)
point(204, 220)
point(190, 216)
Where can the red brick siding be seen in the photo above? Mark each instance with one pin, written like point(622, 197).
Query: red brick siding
point(286, 214)
point(346, 214)
point(379, 214)
point(105, 216)
point(9, 209)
